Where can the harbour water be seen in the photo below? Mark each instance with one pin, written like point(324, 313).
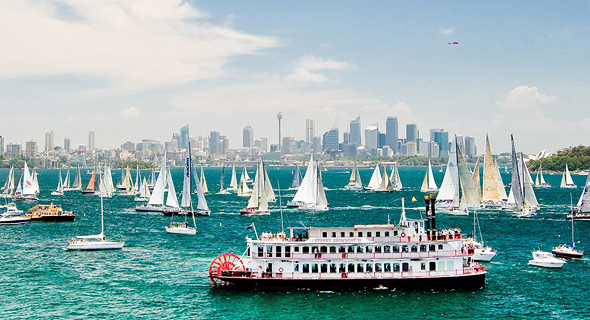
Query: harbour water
point(164, 276)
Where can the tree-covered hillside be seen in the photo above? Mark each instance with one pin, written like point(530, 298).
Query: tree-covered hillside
point(577, 158)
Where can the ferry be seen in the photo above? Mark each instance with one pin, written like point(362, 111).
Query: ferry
point(412, 254)
point(49, 212)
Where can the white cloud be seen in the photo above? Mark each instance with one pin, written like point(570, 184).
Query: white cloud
point(129, 112)
point(131, 45)
point(309, 69)
point(525, 97)
point(448, 31)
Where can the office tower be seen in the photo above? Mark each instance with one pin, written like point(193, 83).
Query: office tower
point(91, 141)
point(49, 141)
point(355, 132)
point(411, 148)
point(14, 150)
point(67, 144)
point(184, 138)
point(223, 144)
point(470, 148)
point(1, 145)
point(316, 145)
point(442, 139)
point(391, 133)
point(214, 143)
point(460, 143)
point(381, 140)
point(279, 117)
point(309, 130)
point(331, 140)
point(371, 137)
point(412, 133)
point(248, 137)
point(31, 149)
point(288, 145)
point(262, 144)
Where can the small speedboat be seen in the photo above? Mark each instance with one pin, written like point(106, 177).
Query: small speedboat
point(8, 219)
point(546, 260)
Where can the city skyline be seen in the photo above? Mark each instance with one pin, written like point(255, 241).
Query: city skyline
point(518, 69)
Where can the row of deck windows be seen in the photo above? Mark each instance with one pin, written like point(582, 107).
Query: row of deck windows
point(278, 250)
point(360, 234)
point(368, 267)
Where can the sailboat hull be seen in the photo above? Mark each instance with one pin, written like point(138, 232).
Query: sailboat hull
point(181, 230)
point(95, 245)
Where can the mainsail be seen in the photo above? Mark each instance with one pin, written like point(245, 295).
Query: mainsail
point(449, 188)
point(428, 184)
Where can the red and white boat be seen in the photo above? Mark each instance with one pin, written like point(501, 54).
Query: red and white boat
point(412, 254)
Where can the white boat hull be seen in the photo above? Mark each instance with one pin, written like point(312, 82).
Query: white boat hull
point(484, 254)
point(13, 219)
point(95, 245)
point(547, 264)
point(181, 230)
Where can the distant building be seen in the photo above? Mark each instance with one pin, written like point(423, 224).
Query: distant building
point(331, 140)
point(91, 141)
point(371, 137)
point(288, 145)
point(316, 145)
point(441, 138)
point(309, 130)
point(214, 142)
point(262, 144)
point(412, 134)
point(49, 141)
point(248, 137)
point(67, 144)
point(355, 132)
point(129, 146)
point(184, 138)
point(391, 133)
point(460, 143)
point(31, 149)
point(411, 148)
point(470, 148)
point(224, 144)
point(1, 145)
point(14, 150)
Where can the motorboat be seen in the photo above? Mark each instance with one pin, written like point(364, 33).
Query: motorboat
point(8, 219)
point(546, 260)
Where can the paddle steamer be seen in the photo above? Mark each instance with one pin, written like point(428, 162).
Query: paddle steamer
point(412, 254)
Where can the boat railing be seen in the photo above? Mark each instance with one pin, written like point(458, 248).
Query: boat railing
point(366, 255)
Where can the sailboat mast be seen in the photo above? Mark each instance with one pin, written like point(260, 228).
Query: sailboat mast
point(101, 216)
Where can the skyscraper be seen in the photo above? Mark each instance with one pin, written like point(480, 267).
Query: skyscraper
point(1, 145)
point(214, 142)
point(470, 148)
point(371, 137)
point(460, 143)
point(391, 133)
point(67, 144)
point(309, 130)
point(442, 139)
point(49, 141)
point(184, 138)
point(412, 133)
point(31, 149)
point(331, 140)
point(355, 132)
point(91, 140)
point(248, 137)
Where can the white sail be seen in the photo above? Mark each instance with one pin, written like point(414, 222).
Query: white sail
point(8, 188)
point(157, 197)
point(385, 182)
point(269, 192)
point(449, 188)
point(243, 188)
point(322, 201)
point(60, 186)
point(233, 185)
point(78, 180)
point(566, 179)
point(142, 189)
point(204, 182)
point(529, 192)
point(246, 176)
point(186, 201)
point(137, 179)
point(583, 205)
point(35, 176)
point(66, 182)
point(171, 200)
point(376, 179)
point(28, 186)
point(476, 177)
point(493, 187)
point(307, 192)
point(201, 201)
point(470, 196)
point(396, 180)
point(296, 178)
point(258, 199)
point(500, 182)
point(429, 184)
point(517, 181)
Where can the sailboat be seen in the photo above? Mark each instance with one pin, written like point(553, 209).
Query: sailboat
point(98, 241)
point(470, 196)
point(540, 179)
point(296, 179)
point(386, 185)
point(144, 192)
point(448, 194)
point(258, 203)
point(59, 191)
point(127, 186)
point(106, 187)
point(376, 180)
point(222, 190)
point(429, 184)
point(243, 189)
point(525, 201)
point(66, 182)
point(186, 203)
point(246, 176)
point(9, 185)
point(566, 179)
point(156, 201)
point(395, 179)
point(566, 250)
point(493, 192)
point(91, 184)
point(481, 252)
point(582, 209)
point(29, 188)
point(311, 194)
point(233, 184)
point(268, 189)
point(152, 182)
point(354, 183)
point(77, 181)
point(203, 182)
point(202, 207)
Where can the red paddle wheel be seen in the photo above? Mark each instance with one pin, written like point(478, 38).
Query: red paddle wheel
point(224, 262)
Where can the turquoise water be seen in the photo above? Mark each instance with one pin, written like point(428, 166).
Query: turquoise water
point(158, 275)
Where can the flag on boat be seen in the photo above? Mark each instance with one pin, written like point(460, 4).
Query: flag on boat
point(250, 226)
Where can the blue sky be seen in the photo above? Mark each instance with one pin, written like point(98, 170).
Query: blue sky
point(133, 70)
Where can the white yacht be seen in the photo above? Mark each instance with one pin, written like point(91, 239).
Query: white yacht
point(546, 260)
